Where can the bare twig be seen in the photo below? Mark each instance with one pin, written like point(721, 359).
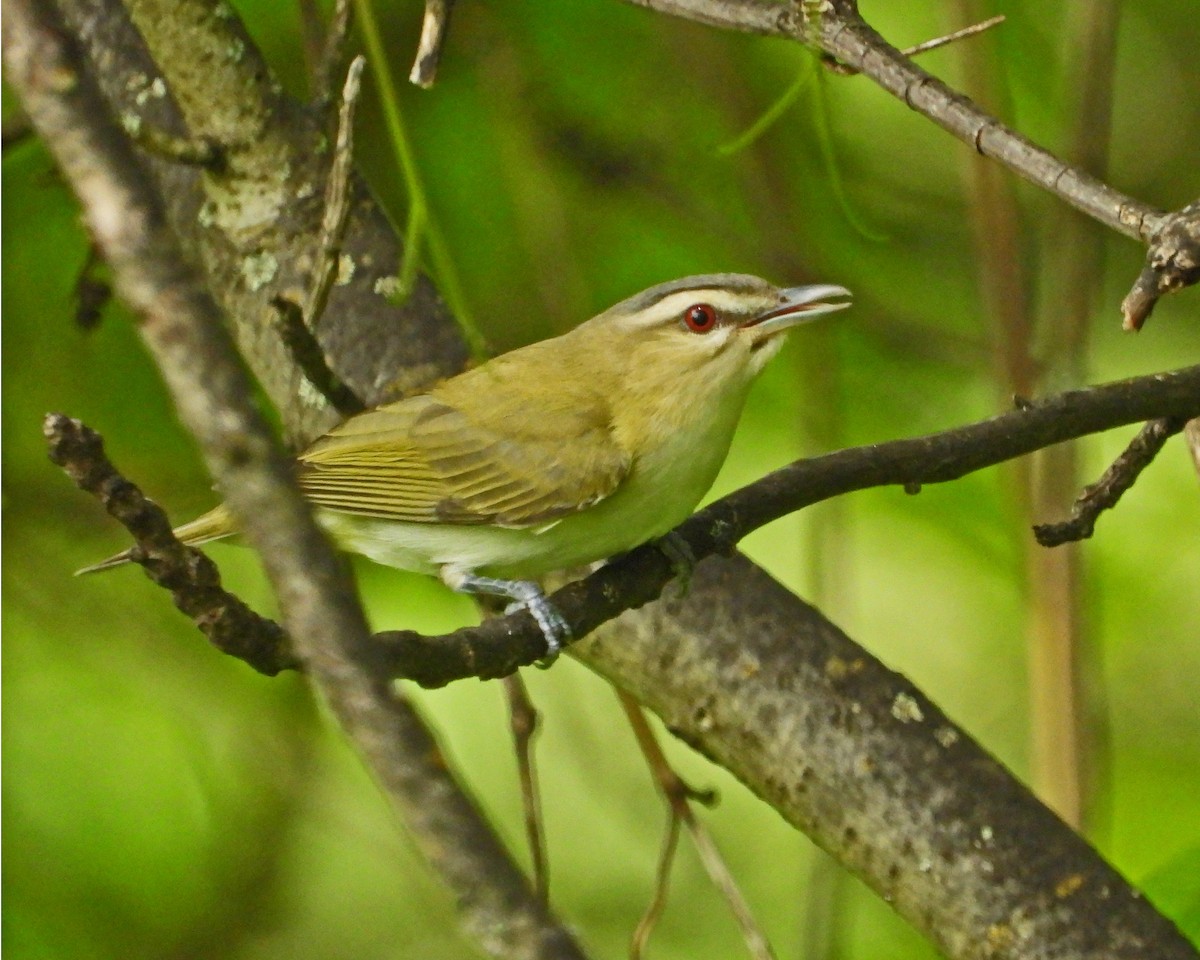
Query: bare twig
point(307, 353)
point(1172, 263)
point(836, 29)
point(183, 328)
point(662, 886)
point(1105, 492)
point(331, 53)
point(523, 721)
point(678, 796)
point(842, 70)
point(337, 201)
point(191, 577)
point(297, 324)
point(434, 27)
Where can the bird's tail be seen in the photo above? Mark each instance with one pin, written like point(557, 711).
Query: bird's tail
point(214, 525)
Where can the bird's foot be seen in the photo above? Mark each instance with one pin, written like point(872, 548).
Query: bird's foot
point(525, 595)
point(683, 561)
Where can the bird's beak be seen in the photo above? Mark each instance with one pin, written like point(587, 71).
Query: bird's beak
point(797, 305)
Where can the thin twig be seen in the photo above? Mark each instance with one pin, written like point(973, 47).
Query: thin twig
point(523, 721)
point(297, 325)
point(331, 53)
point(843, 70)
point(678, 796)
point(189, 575)
point(434, 27)
point(662, 886)
point(1103, 495)
point(836, 28)
point(337, 201)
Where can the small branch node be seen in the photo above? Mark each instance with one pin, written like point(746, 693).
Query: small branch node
point(1172, 263)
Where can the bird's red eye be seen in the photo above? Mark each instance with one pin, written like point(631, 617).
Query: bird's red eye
point(700, 318)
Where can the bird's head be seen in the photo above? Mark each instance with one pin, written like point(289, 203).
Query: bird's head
point(725, 326)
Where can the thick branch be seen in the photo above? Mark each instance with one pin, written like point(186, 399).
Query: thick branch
point(499, 646)
point(856, 757)
point(183, 328)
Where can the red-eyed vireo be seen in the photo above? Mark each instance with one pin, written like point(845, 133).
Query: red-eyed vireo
point(557, 454)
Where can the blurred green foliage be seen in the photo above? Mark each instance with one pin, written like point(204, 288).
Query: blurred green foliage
point(161, 800)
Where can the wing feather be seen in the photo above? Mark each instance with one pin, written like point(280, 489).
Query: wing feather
point(424, 461)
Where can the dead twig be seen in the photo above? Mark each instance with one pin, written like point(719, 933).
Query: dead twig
point(523, 721)
point(337, 201)
point(189, 575)
point(1105, 492)
point(297, 324)
point(433, 38)
point(841, 69)
point(679, 796)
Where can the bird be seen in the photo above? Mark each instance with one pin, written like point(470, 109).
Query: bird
point(561, 453)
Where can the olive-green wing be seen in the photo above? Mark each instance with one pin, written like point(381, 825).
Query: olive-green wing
point(424, 461)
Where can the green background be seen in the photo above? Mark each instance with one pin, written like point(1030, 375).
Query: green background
point(162, 800)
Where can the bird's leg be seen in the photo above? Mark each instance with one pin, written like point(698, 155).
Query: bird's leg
point(683, 562)
point(527, 596)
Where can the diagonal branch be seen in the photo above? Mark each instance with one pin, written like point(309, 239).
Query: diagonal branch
point(192, 578)
point(499, 646)
point(183, 328)
point(836, 28)
point(1103, 495)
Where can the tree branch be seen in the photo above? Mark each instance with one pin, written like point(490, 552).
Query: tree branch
point(856, 757)
point(183, 328)
point(1105, 492)
point(836, 28)
point(189, 575)
point(498, 646)
point(367, 341)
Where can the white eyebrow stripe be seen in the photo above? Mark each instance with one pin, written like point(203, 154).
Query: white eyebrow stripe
point(673, 305)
